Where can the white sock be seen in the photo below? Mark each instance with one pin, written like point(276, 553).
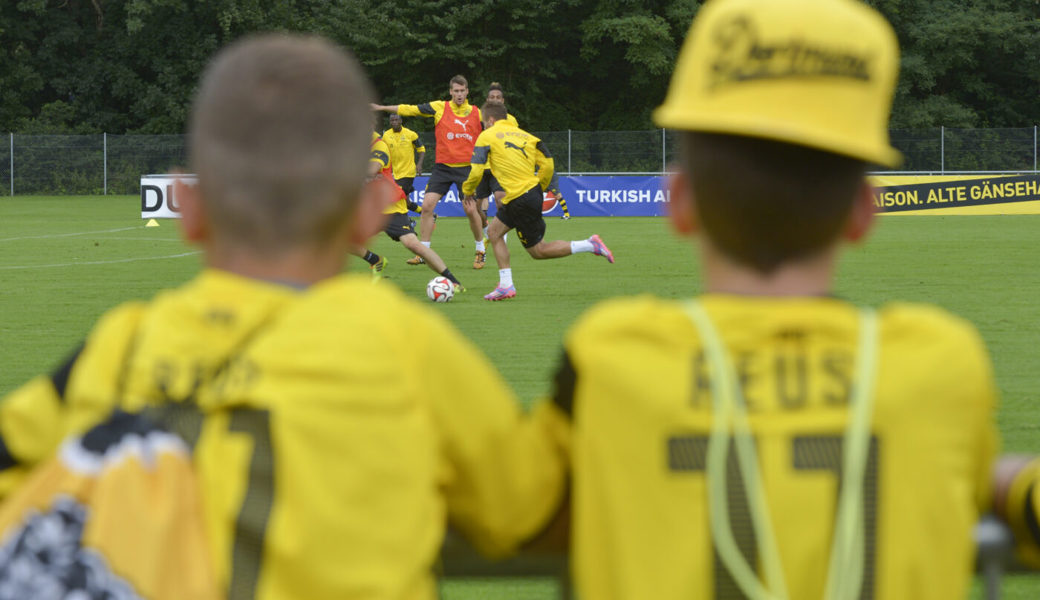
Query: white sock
point(480, 245)
point(485, 232)
point(581, 246)
point(427, 244)
point(505, 278)
point(505, 237)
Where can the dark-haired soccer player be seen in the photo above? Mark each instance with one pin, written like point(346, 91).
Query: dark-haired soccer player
point(456, 127)
point(768, 439)
point(406, 157)
point(515, 156)
point(399, 227)
point(488, 186)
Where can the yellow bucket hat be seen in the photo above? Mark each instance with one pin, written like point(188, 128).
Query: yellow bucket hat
point(817, 73)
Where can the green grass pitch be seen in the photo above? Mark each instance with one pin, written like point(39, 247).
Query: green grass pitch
point(64, 260)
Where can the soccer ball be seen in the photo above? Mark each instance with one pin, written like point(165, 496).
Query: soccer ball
point(440, 289)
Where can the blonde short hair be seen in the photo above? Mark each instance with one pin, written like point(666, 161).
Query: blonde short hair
point(279, 136)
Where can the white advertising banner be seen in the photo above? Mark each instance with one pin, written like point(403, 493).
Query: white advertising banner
point(157, 198)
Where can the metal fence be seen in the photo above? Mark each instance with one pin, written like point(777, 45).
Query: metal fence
point(113, 164)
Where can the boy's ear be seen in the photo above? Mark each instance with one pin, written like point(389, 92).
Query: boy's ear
point(861, 218)
point(194, 223)
point(682, 209)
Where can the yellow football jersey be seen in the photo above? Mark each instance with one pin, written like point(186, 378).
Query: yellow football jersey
point(380, 155)
point(403, 145)
point(328, 470)
point(634, 406)
point(514, 156)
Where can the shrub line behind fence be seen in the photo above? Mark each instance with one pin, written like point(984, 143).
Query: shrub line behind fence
point(110, 163)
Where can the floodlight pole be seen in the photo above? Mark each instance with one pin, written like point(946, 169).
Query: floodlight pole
point(569, 170)
point(12, 163)
point(1034, 148)
point(104, 138)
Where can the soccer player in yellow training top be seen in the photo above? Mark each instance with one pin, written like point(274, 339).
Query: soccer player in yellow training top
point(495, 94)
point(406, 157)
point(326, 471)
point(399, 227)
point(514, 156)
point(489, 186)
point(456, 127)
point(768, 439)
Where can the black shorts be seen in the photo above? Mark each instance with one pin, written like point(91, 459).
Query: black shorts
point(524, 213)
point(406, 184)
point(488, 185)
point(398, 225)
point(442, 176)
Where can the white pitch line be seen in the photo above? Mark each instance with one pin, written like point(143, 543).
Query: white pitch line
point(136, 239)
point(96, 262)
point(59, 235)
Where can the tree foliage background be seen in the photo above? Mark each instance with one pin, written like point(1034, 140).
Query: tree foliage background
point(130, 66)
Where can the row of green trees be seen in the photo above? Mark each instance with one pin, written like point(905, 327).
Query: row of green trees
point(130, 66)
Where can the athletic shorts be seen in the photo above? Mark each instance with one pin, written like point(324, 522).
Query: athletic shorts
point(399, 225)
point(524, 213)
point(406, 184)
point(442, 176)
point(488, 185)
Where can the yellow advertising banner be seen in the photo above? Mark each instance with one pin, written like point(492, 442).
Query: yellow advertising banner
point(957, 194)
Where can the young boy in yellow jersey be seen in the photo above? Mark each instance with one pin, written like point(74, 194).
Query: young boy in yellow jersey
point(768, 439)
point(523, 167)
point(326, 470)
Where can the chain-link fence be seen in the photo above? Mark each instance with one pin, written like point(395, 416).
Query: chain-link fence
point(113, 164)
point(943, 150)
point(86, 164)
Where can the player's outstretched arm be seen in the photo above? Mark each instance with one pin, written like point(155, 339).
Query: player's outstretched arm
point(506, 476)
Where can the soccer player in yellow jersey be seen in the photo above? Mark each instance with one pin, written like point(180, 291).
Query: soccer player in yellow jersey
point(326, 471)
point(406, 157)
point(495, 94)
point(488, 185)
point(514, 156)
point(398, 227)
point(768, 439)
point(456, 127)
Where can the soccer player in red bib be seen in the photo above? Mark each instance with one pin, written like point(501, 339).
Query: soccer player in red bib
point(456, 127)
